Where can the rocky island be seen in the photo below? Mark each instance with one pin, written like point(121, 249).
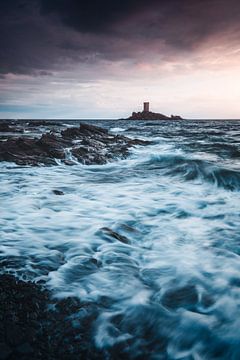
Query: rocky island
point(149, 115)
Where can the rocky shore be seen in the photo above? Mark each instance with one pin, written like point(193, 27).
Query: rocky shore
point(34, 326)
point(86, 144)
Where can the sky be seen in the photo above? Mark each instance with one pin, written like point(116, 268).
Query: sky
point(102, 58)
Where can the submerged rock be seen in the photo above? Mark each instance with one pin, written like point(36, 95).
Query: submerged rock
point(186, 296)
point(88, 144)
point(113, 234)
point(58, 192)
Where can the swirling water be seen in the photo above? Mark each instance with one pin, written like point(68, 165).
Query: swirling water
point(152, 241)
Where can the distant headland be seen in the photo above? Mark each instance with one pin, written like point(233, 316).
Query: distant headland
point(149, 115)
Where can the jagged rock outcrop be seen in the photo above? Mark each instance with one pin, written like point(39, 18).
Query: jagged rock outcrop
point(5, 127)
point(86, 144)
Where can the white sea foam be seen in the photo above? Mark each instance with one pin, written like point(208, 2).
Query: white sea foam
point(117, 129)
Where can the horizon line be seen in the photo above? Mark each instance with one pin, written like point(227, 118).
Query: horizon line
point(119, 119)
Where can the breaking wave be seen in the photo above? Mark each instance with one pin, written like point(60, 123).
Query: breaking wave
point(189, 169)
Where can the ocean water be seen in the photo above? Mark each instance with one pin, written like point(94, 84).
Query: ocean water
point(152, 242)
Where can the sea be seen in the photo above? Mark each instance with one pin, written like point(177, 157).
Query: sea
point(152, 241)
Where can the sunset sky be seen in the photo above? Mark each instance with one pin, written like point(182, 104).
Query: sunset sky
point(102, 59)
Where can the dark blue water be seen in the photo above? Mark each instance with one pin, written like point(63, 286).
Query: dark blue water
point(152, 242)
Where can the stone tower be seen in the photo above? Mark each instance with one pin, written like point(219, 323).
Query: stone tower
point(146, 106)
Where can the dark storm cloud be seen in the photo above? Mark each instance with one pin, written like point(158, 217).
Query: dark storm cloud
point(38, 35)
point(176, 21)
point(90, 16)
point(20, 38)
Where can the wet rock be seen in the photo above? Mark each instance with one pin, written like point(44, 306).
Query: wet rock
point(92, 129)
point(88, 144)
point(14, 333)
point(52, 145)
point(68, 305)
point(84, 130)
point(207, 300)
point(5, 127)
point(112, 234)
point(185, 296)
point(90, 155)
point(36, 327)
point(71, 133)
point(13, 128)
point(134, 142)
point(5, 351)
point(58, 192)
point(25, 348)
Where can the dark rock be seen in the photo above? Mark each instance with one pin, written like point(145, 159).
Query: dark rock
point(185, 296)
point(71, 133)
point(52, 145)
point(69, 162)
point(207, 300)
point(115, 235)
point(25, 348)
point(94, 146)
point(92, 129)
point(58, 192)
point(90, 155)
point(134, 142)
point(68, 305)
point(14, 334)
point(149, 115)
point(36, 327)
point(5, 127)
point(5, 351)
point(83, 130)
point(176, 117)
